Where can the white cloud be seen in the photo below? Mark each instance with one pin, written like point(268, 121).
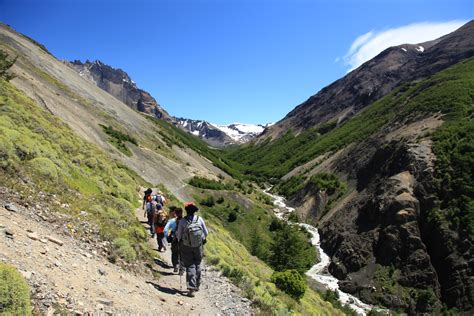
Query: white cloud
point(370, 44)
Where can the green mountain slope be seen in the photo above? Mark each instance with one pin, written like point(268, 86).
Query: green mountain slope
point(423, 129)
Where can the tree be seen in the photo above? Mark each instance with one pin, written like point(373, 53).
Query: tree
point(291, 250)
point(5, 65)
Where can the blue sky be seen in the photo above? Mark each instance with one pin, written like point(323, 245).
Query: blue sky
point(229, 61)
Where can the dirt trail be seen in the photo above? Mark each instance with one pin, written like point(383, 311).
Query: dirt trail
point(216, 295)
point(68, 274)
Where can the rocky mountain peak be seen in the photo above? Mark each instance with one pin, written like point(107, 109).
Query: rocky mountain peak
point(119, 84)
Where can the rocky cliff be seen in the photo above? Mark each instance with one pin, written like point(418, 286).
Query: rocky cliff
point(118, 83)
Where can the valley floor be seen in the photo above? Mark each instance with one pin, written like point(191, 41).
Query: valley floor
point(65, 273)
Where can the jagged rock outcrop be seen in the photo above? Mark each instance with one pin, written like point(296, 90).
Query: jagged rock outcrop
point(396, 65)
point(118, 83)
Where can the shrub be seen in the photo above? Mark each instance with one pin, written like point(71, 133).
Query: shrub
point(124, 250)
point(290, 282)
point(235, 274)
point(208, 201)
point(232, 217)
point(14, 292)
point(204, 183)
point(276, 224)
point(327, 182)
point(44, 167)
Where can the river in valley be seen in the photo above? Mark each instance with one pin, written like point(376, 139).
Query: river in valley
point(319, 272)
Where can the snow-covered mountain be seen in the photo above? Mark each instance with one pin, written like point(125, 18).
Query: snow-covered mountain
point(242, 133)
point(220, 135)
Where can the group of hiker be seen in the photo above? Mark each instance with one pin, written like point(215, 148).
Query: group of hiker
point(186, 235)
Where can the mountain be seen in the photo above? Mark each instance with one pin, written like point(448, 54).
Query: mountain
point(375, 78)
point(118, 83)
point(242, 133)
point(381, 161)
point(220, 135)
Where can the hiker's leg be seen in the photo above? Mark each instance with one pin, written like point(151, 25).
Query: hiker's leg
point(187, 256)
point(174, 254)
point(159, 237)
point(152, 227)
point(197, 261)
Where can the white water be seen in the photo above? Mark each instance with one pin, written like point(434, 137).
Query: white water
point(319, 272)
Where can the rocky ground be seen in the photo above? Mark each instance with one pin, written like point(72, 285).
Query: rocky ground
point(71, 274)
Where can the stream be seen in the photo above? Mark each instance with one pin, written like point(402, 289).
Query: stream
point(319, 271)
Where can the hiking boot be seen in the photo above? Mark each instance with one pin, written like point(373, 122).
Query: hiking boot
point(175, 270)
point(191, 293)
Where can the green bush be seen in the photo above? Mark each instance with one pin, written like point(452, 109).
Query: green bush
point(124, 250)
point(118, 139)
point(208, 201)
point(290, 282)
point(327, 182)
point(14, 292)
point(44, 167)
point(232, 217)
point(204, 183)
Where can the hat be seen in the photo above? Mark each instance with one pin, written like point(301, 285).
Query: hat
point(190, 206)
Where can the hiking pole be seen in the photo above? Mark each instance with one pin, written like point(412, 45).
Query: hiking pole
point(179, 268)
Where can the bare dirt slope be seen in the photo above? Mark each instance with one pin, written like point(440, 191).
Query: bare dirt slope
point(68, 274)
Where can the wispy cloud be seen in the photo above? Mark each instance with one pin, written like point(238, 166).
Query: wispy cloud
point(370, 44)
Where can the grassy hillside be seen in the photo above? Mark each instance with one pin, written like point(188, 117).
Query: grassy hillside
point(273, 159)
point(40, 153)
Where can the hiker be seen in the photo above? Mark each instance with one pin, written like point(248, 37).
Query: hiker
point(148, 193)
point(160, 198)
point(150, 210)
point(191, 234)
point(170, 234)
point(160, 220)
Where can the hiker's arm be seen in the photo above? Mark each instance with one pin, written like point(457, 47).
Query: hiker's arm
point(204, 228)
point(167, 227)
point(179, 233)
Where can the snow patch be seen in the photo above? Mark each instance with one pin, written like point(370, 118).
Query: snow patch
point(421, 49)
point(240, 131)
point(404, 49)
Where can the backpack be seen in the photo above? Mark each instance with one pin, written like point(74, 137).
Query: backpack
point(159, 199)
point(151, 208)
point(192, 233)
